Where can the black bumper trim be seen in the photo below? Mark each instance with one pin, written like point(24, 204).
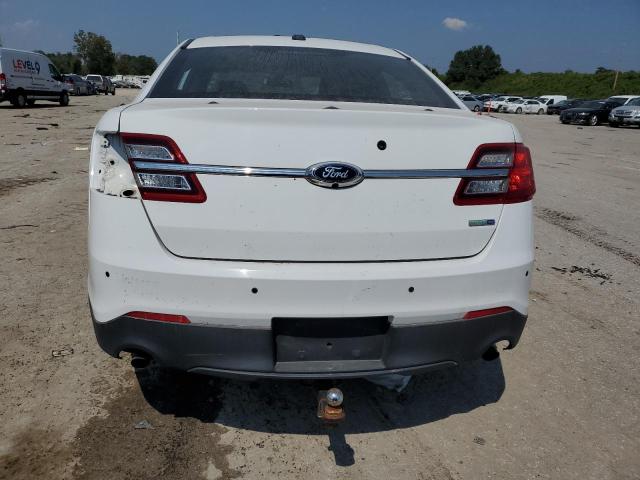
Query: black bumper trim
point(228, 351)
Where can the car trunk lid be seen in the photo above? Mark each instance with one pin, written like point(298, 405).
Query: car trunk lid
point(289, 219)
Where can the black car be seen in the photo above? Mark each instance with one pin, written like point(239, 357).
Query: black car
point(590, 112)
point(561, 106)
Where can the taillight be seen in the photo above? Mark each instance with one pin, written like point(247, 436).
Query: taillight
point(517, 185)
point(145, 153)
point(486, 312)
point(3, 81)
point(159, 317)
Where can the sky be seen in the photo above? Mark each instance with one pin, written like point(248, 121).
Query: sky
point(530, 35)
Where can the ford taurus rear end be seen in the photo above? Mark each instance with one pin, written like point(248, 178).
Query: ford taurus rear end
point(306, 208)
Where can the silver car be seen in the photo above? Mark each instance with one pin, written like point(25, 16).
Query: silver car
point(472, 103)
point(628, 114)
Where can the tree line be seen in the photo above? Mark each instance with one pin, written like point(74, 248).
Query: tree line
point(93, 53)
point(479, 69)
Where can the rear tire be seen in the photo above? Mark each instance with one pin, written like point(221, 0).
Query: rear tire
point(31, 103)
point(541, 111)
point(564, 122)
point(475, 109)
point(593, 120)
point(64, 99)
point(20, 100)
point(518, 110)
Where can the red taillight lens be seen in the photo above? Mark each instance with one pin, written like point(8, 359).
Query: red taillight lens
point(486, 312)
point(3, 81)
point(518, 186)
point(159, 317)
point(153, 183)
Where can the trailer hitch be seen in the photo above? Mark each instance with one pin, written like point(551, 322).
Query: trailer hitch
point(330, 409)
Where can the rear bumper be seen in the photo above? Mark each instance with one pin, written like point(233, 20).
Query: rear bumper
point(257, 352)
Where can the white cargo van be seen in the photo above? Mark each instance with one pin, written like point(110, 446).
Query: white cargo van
point(27, 76)
point(551, 99)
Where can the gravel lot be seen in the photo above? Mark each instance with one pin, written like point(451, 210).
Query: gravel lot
point(563, 405)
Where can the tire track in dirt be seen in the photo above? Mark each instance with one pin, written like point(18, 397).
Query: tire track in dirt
point(571, 224)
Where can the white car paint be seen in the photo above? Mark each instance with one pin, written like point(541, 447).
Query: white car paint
point(263, 247)
point(29, 76)
point(551, 99)
point(500, 103)
point(526, 106)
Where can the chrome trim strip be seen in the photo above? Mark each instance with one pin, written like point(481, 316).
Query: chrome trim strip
point(438, 173)
point(302, 172)
point(221, 169)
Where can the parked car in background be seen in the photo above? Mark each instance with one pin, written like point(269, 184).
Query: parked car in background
point(622, 99)
point(298, 280)
point(472, 103)
point(91, 88)
point(526, 106)
point(556, 108)
point(110, 87)
point(77, 85)
point(500, 103)
point(590, 112)
point(103, 84)
point(551, 99)
point(484, 97)
point(628, 114)
point(97, 81)
point(28, 76)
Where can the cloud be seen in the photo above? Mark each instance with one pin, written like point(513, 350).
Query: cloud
point(25, 25)
point(453, 23)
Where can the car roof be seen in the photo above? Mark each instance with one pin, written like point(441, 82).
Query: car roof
point(287, 41)
point(21, 51)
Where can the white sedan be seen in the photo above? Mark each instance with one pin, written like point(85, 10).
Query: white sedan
point(288, 207)
point(526, 106)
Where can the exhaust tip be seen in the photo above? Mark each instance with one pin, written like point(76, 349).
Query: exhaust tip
point(139, 361)
point(491, 354)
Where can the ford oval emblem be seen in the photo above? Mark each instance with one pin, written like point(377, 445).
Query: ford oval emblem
point(334, 175)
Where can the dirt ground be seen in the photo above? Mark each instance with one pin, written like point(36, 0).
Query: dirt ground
point(563, 405)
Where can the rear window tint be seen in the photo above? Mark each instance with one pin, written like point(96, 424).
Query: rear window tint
point(298, 73)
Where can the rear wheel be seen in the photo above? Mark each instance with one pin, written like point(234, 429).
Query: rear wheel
point(541, 111)
point(475, 109)
point(20, 100)
point(593, 120)
point(31, 103)
point(519, 110)
point(64, 99)
point(564, 121)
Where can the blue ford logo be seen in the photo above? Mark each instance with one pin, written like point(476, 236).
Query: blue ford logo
point(334, 175)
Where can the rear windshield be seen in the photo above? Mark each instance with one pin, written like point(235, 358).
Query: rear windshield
point(298, 73)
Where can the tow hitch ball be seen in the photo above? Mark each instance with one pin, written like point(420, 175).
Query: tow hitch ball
point(330, 405)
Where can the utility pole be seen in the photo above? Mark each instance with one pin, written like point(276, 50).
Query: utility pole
point(615, 81)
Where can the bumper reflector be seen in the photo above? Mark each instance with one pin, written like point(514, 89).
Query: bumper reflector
point(159, 317)
point(486, 312)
